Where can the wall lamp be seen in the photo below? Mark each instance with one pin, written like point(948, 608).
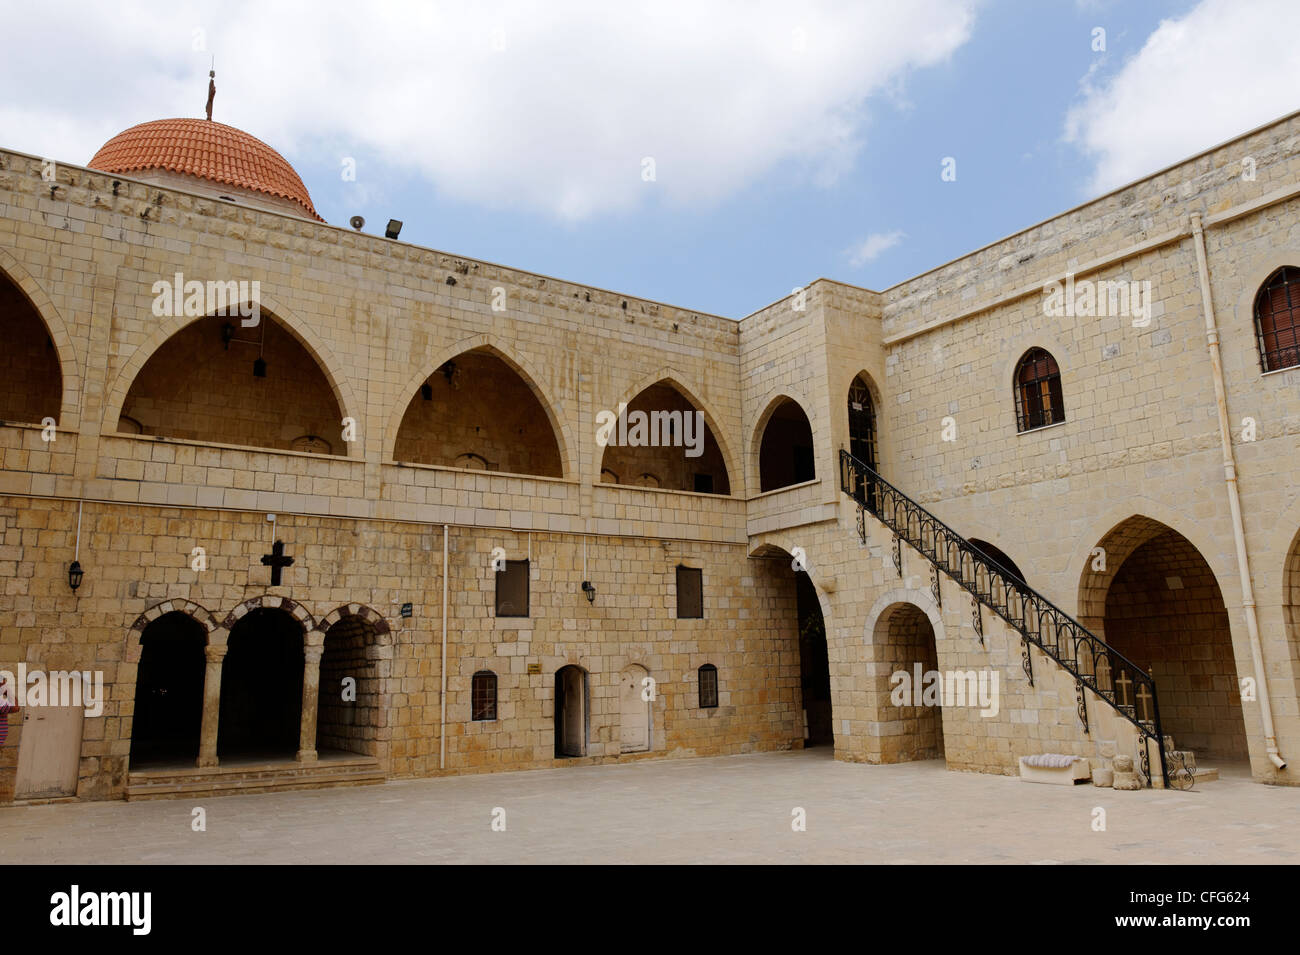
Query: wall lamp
point(75, 573)
point(394, 229)
point(590, 590)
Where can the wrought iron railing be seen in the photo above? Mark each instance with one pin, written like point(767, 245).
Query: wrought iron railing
point(1095, 666)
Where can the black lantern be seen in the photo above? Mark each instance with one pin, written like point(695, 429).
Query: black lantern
point(590, 590)
point(75, 573)
point(259, 368)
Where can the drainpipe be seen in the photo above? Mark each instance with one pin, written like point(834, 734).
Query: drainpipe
point(1234, 499)
point(442, 694)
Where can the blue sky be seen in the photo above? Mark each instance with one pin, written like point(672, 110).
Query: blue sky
point(515, 132)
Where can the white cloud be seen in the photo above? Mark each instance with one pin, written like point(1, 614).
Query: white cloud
point(559, 120)
point(871, 247)
point(1218, 71)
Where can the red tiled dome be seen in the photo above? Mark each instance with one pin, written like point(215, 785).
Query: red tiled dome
point(209, 150)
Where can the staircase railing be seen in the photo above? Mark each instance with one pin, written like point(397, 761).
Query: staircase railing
point(1095, 665)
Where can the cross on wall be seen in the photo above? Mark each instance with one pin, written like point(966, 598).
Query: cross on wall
point(277, 562)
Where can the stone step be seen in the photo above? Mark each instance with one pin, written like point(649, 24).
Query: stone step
point(253, 778)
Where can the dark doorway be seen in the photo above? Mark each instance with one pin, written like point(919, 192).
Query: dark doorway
point(570, 712)
point(785, 455)
point(999, 558)
point(814, 665)
point(349, 712)
point(862, 439)
point(169, 692)
point(261, 688)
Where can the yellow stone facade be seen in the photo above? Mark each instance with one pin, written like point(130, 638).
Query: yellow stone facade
point(355, 325)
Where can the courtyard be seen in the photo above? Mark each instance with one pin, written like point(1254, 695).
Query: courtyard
point(728, 809)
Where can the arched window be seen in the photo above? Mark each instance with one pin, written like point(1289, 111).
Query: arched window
point(1277, 320)
point(708, 686)
point(483, 696)
point(1038, 391)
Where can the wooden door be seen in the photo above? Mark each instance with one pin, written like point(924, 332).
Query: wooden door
point(49, 752)
point(635, 710)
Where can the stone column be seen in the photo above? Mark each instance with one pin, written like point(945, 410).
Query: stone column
point(216, 655)
point(310, 703)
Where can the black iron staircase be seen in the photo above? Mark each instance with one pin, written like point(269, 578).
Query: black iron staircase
point(1095, 666)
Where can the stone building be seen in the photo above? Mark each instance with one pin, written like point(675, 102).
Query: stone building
point(338, 508)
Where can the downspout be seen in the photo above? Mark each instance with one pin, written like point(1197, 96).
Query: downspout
point(1234, 499)
point(442, 694)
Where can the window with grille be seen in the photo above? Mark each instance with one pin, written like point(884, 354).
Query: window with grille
point(483, 696)
point(1277, 320)
point(1038, 391)
point(708, 686)
point(512, 589)
point(690, 593)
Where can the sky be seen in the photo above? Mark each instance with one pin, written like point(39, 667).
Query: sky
point(710, 155)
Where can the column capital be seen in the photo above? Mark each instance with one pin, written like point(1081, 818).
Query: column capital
point(312, 655)
point(215, 653)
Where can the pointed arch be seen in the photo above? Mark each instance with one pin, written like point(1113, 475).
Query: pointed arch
point(69, 412)
point(776, 402)
point(483, 344)
point(284, 318)
point(673, 378)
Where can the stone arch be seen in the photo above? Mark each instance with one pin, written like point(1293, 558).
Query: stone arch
point(1201, 537)
point(1158, 602)
point(824, 663)
point(1016, 352)
point(204, 616)
point(311, 633)
point(773, 404)
point(169, 675)
point(1252, 274)
point(564, 439)
point(905, 633)
point(355, 643)
point(674, 379)
point(877, 407)
point(69, 416)
point(372, 617)
point(286, 319)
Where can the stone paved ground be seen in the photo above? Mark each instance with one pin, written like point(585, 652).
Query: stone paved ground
point(723, 809)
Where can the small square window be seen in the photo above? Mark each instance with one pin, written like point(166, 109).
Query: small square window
point(708, 686)
point(512, 589)
point(690, 593)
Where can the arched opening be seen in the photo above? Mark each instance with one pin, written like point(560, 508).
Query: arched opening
point(909, 679)
point(1291, 596)
point(999, 558)
point(785, 454)
point(862, 439)
point(478, 412)
point(634, 709)
point(1158, 603)
point(1039, 398)
point(662, 436)
point(814, 665)
point(571, 712)
point(1277, 320)
point(261, 687)
point(168, 710)
point(218, 382)
point(31, 379)
point(349, 712)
